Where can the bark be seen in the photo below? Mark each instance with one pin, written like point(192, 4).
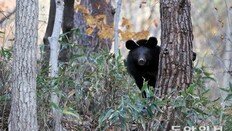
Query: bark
point(53, 63)
point(176, 43)
point(48, 33)
point(23, 116)
point(95, 8)
point(175, 65)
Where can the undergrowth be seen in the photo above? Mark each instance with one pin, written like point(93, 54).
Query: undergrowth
point(96, 93)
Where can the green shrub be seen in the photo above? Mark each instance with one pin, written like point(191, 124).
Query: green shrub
point(97, 93)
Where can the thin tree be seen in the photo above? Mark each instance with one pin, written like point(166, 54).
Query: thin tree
point(227, 77)
point(116, 31)
point(175, 65)
point(48, 33)
point(53, 62)
point(67, 26)
point(23, 115)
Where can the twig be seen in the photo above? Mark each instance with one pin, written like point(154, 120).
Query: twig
point(6, 16)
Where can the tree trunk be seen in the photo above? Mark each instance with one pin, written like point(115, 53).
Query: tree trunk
point(68, 17)
point(116, 26)
point(48, 33)
point(96, 7)
point(175, 65)
point(53, 63)
point(227, 76)
point(67, 26)
point(23, 116)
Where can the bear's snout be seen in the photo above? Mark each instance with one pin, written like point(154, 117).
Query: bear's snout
point(141, 61)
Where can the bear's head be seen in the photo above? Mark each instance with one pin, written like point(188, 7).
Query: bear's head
point(142, 51)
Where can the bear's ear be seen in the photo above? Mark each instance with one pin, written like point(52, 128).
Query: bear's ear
point(130, 45)
point(152, 42)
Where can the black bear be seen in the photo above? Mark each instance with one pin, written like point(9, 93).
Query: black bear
point(142, 61)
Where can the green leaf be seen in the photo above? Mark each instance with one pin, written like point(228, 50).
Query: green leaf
point(191, 88)
point(116, 113)
point(71, 113)
point(105, 116)
point(230, 86)
point(160, 102)
point(224, 89)
point(228, 97)
point(149, 111)
point(208, 77)
point(54, 105)
point(206, 91)
point(216, 99)
point(123, 122)
point(200, 111)
point(190, 123)
point(208, 74)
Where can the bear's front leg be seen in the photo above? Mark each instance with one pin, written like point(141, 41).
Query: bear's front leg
point(139, 82)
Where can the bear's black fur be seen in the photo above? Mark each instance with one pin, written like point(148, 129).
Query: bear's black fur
point(142, 61)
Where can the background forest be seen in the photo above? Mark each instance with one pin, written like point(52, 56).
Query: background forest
point(94, 90)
